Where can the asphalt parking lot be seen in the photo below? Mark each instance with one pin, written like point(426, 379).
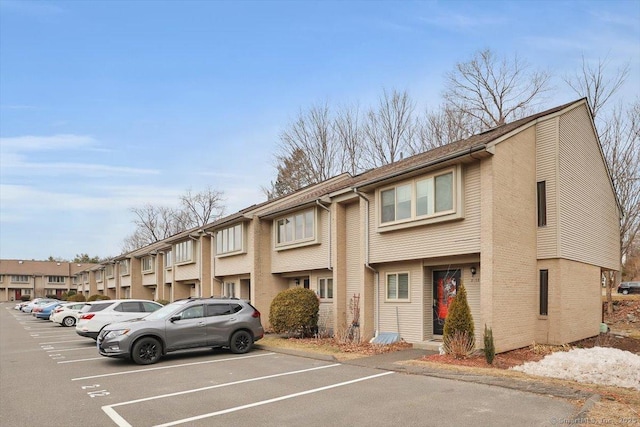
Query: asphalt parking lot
point(51, 376)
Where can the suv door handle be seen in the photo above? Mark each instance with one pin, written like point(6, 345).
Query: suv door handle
point(200, 323)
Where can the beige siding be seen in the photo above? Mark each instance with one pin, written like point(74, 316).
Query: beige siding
point(589, 226)
point(186, 271)
point(439, 239)
point(403, 317)
point(236, 264)
point(311, 257)
point(547, 170)
point(149, 279)
point(352, 255)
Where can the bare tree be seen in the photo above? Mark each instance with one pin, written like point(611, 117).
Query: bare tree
point(389, 129)
point(594, 83)
point(348, 129)
point(294, 173)
point(494, 90)
point(203, 207)
point(441, 127)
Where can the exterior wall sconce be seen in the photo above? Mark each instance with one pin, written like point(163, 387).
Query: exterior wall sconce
point(473, 271)
point(297, 282)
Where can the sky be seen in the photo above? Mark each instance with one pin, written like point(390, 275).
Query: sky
point(110, 105)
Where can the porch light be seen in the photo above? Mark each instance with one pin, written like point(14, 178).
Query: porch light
point(473, 271)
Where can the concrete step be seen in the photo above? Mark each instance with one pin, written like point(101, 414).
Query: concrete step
point(431, 345)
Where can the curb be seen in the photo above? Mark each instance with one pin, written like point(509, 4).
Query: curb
point(299, 353)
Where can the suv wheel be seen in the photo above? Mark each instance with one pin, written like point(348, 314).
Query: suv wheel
point(146, 351)
point(241, 342)
point(625, 291)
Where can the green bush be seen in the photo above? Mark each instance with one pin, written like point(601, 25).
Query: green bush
point(52, 296)
point(489, 347)
point(76, 298)
point(295, 311)
point(96, 297)
point(162, 301)
point(459, 320)
point(25, 297)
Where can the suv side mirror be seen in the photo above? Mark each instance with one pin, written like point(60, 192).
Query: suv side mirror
point(174, 318)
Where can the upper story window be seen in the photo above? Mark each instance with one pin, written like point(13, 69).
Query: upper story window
point(1, 278)
point(109, 270)
point(20, 279)
point(99, 275)
point(184, 251)
point(420, 198)
point(168, 259)
point(124, 267)
point(146, 264)
point(229, 240)
point(296, 228)
point(542, 203)
point(76, 280)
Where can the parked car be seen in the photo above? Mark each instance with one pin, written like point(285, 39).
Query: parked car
point(95, 315)
point(44, 311)
point(188, 323)
point(28, 308)
point(66, 314)
point(629, 288)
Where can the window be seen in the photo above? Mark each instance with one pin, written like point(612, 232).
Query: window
point(296, 228)
point(109, 271)
point(168, 259)
point(124, 267)
point(1, 278)
point(544, 292)
point(420, 198)
point(229, 240)
point(194, 312)
point(56, 279)
point(230, 289)
point(99, 275)
point(398, 286)
point(20, 279)
point(542, 203)
point(147, 263)
point(325, 288)
point(219, 309)
point(184, 251)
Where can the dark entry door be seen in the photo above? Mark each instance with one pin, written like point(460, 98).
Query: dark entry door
point(445, 287)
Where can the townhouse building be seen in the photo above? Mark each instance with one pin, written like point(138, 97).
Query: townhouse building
point(37, 278)
point(524, 214)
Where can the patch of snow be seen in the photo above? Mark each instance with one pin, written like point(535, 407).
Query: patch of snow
point(597, 365)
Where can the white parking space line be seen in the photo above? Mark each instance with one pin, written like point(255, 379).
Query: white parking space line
point(80, 360)
point(231, 359)
point(123, 423)
point(268, 401)
point(73, 349)
point(62, 342)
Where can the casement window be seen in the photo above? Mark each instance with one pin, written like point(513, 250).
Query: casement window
point(147, 264)
point(544, 292)
point(420, 198)
point(56, 279)
point(325, 288)
point(184, 252)
point(109, 271)
point(99, 275)
point(542, 203)
point(124, 267)
point(20, 279)
point(229, 240)
point(168, 259)
point(230, 289)
point(296, 228)
point(397, 287)
point(76, 280)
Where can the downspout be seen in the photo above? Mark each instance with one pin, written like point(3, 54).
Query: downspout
point(214, 248)
point(199, 240)
point(376, 275)
point(329, 229)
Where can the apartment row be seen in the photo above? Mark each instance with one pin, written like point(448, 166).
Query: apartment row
point(525, 215)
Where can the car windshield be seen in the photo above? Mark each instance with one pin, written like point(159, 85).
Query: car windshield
point(166, 311)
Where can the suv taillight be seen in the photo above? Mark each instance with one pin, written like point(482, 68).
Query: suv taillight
point(87, 316)
point(256, 314)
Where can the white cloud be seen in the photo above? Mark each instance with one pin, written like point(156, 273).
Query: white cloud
point(53, 142)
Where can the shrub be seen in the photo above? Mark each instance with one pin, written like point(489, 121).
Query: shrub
point(459, 344)
point(295, 311)
point(96, 297)
point(52, 296)
point(489, 347)
point(459, 321)
point(76, 298)
point(25, 297)
point(162, 301)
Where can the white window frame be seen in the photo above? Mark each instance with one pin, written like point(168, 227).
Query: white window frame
point(147, 268)
point(19, 278)
point(230, 240)
point(168, 259)
point(286, 228)
point(323, 288)
point(229, 289)
point(432, 214)
point(109, 271)
point(56, 279)
point(396, 298)
point(184, 252)
point(124, 267)
point(98, 275)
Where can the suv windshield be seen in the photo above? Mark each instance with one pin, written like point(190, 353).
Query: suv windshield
point(165, 312)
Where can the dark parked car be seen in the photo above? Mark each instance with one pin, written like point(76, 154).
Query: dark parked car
point(629, 288)
point(187, 323)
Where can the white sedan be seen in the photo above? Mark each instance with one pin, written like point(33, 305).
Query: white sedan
point(66, 314)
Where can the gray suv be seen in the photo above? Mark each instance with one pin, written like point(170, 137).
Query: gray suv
point(183, 324)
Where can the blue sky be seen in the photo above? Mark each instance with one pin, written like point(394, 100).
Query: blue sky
point(114, 104)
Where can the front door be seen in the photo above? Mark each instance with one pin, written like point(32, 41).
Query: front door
point(445, 287)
